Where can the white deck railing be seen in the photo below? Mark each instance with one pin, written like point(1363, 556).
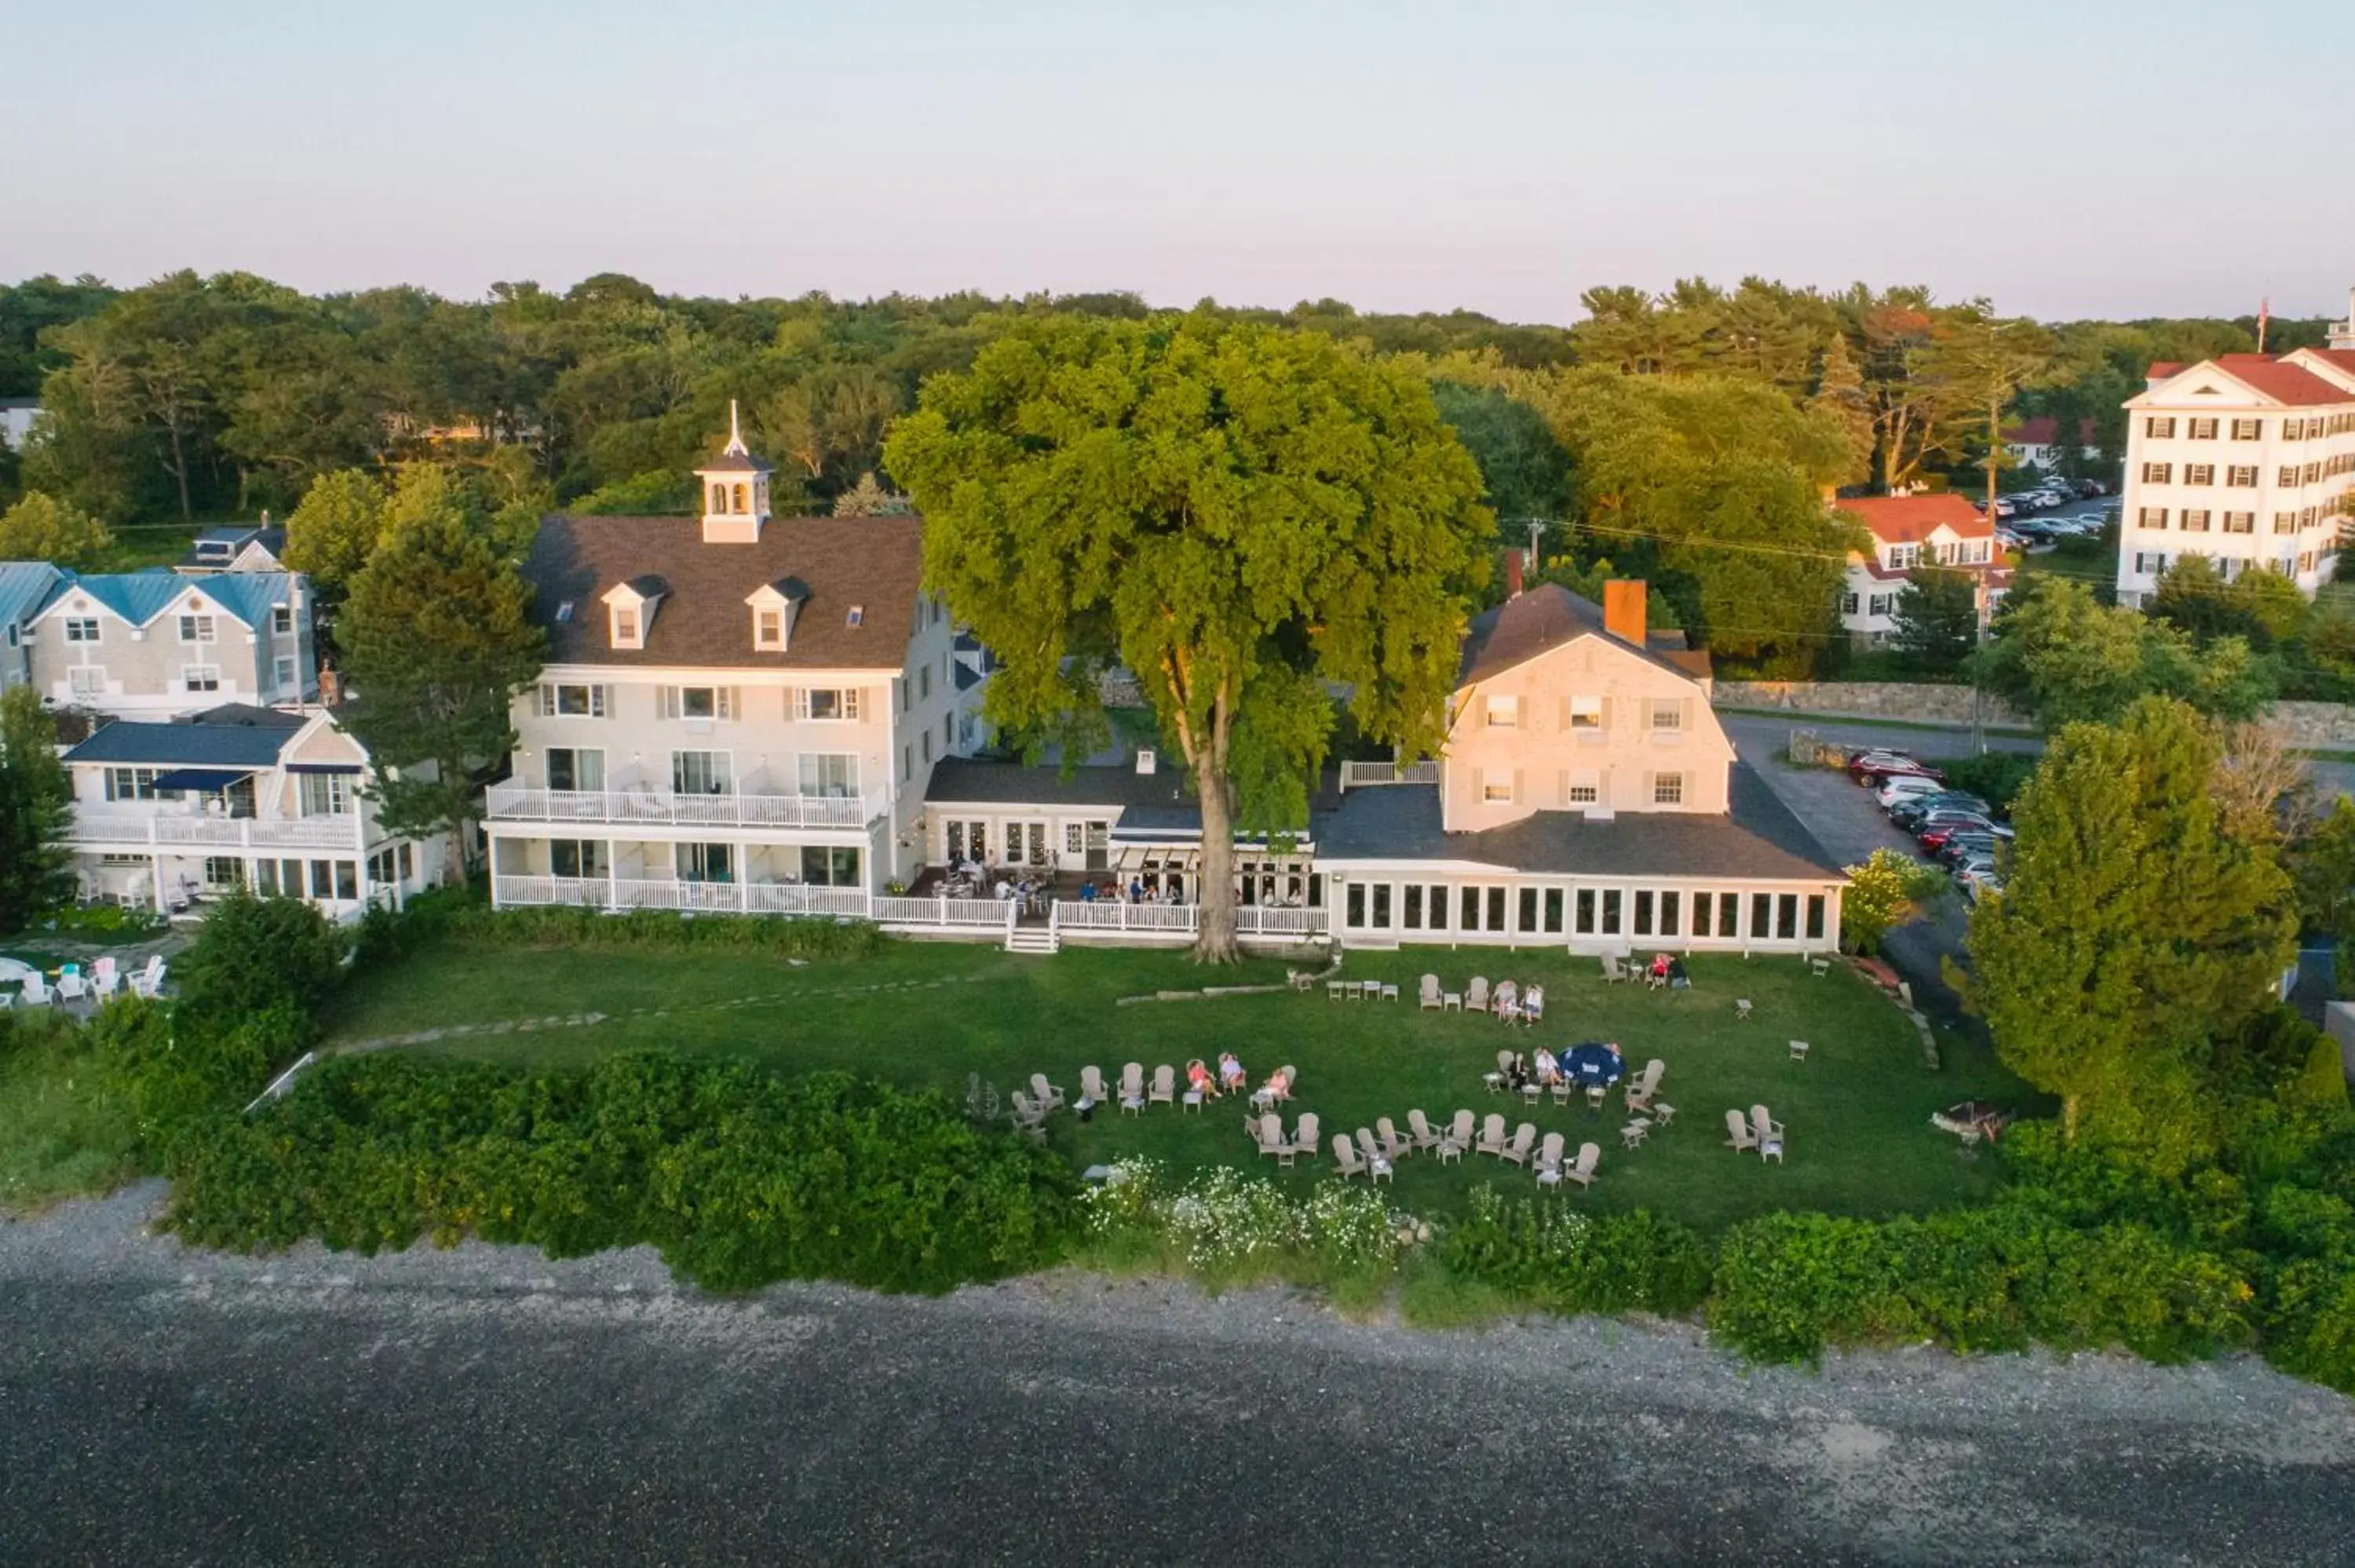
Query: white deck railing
point(898, 911)
point(162, 831)
point(1358, 774)
point(521, 803)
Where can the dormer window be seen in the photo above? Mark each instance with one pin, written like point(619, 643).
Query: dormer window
point(769, 630)
point(773, 607)
point(630, 609)
point(625, 629)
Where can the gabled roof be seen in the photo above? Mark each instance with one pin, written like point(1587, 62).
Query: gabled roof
point(1758, 839)
point(2044, 429)
point(24, 586)
point(2276, 380)
point(140, 596)
point(1910, 519)
point(232, 736)
point(873, 563)
point(1547, 617)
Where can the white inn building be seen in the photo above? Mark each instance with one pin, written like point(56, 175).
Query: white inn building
point(739, 713)
point(2247, 459)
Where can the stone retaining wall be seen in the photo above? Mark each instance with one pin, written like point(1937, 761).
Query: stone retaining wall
point(2312, 727)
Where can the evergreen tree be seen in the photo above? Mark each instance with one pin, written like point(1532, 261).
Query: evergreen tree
point(2133, 938)
point(1841, 398)
point(1937, 617)
point(437, 640)
point(36, 802)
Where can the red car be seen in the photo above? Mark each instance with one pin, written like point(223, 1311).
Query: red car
point(1870, 768)
point(1937, 833)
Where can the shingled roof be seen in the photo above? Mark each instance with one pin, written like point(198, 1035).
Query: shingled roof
point(1544, 618)
point(871, 563)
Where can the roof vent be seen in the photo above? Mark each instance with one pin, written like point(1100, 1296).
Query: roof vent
point(857, 615)
point(1145, 760)
point(564, 611)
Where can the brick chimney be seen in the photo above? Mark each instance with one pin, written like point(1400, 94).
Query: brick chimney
point(1512, 574)
point(1622, 610)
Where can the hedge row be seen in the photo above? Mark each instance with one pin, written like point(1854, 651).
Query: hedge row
point(385, 936)
point(739, 1178)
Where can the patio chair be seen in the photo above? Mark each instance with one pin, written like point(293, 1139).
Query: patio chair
point(1740, 1010)
point(1028, 1112)
point(37, 991)
point(102, 967)
point(1737, 1136)
point(1132, 1088)
point(1092, 1085)
point(1641, 1090)
point(1165, 1087)
point(1611, 972)
point(1588, 1155)
point(1508, 998)
point(1459, 1131)
point(1378, 1164)
point(1492, 1135)
point(1272, 1139)
point(1550, 1159)
point(1345, 1155)
point(1387, 1133)
point(1524, 1138)
point(1286, 1080)
point(1046, 1094)
point(1475, 995)
point(1765, 1127)
point(1304, 1137)
point(1333, 989)
point(1798, 1050)
point(71, 987)
point(1504, 1060)
point(1425, 1135)
point(106, 984)
point(1430, 996)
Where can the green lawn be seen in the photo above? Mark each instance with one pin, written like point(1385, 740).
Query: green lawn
point(60, 1133)
point(930, 1014)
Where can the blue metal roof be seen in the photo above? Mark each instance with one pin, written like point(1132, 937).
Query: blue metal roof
point(23, 587)
point(140, 596)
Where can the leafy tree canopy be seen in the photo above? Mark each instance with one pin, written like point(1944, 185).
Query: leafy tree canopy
point(1886, 891)
point(2066, 659)
point(332, 533)
point(35, 799)
point(1937, 617)
point(1245, 517)
point(42, 528)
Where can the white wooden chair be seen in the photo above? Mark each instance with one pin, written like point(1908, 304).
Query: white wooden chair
point(1550, 1161)
point(1492, 1135)
point(1345, 1155)
point(1737, 1136)
point(1425, 1135)
point(1589, 1157)
point(1164, 1085)
point(1524, 1138)
point(1431, 995)
point(1475, 995)
point(1304, 1137)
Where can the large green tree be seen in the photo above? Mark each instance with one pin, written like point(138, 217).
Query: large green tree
point(1717, 483)
point(2065, 658)
point(336, 528)
point(437, 640)
point(42, 528)
point(1245, 517)
point(2135, 936)
point(35, 800)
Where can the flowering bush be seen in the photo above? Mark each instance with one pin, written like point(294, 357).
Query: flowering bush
point(1226, 1227)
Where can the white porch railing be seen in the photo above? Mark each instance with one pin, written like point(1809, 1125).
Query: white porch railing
point(799, 898)
point(1358, 774)
point(1271, 920)
point(979, 911)
point(214, 832)
point(521, 803)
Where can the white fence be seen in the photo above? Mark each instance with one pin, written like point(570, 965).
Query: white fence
point(165, 832)
point(932, 911)
point(520, 803)
point(1358, 774)
point(1179, 922)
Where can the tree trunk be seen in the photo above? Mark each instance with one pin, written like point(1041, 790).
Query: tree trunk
point(2068, 1119)
point(180, 472)
point(1214, 879)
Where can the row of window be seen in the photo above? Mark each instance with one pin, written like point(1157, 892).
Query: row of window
point(1585, 713)
point(2196, 519)
point(1953, 553)
point(1588, 911)
point(2151, 562)
point(2243, 476)
point(193, 627)
point(90, 682)
point(802, 703)
point(321, 794)
point(1576, 789)
point(582, 769)
point(822, 866)
point(2161, 426)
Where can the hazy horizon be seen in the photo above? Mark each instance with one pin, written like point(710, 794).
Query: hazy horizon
point(1396, 157)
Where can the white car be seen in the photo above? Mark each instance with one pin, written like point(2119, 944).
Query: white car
point(1901, 785)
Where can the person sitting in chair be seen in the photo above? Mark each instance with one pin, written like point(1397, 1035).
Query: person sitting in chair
point(1548, 1069)
point(1678, 978)
point(1199, 1079)
point(1231, 1076)
point(1533, 1004)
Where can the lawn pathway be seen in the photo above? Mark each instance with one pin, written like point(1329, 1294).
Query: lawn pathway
point(585, 1019)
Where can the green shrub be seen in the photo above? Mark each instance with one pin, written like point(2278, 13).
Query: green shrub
point(558, 927)
point(112, 921)
point(1559, 1260)
point(740, 1179)
point(1227, 1228)
point(253, 954)
point(175, 1070)
point(1996, 777)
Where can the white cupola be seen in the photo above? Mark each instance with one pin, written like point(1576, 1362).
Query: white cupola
point(735, 491)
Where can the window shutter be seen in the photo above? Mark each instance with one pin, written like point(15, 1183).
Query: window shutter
point(799, 701)
point(666, 701)
point(1684, 713)
point(1603, 720)
point(597, 702)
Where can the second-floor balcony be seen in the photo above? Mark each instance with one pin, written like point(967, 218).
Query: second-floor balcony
point(212, 829)
point(514, 802)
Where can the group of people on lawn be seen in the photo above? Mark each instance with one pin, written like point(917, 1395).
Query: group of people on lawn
point(1544, 1069)
point(1230, 1078)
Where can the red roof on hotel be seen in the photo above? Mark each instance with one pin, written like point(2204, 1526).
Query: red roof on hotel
point(2292, 386)
point(1910, 519)
point(2040, 431)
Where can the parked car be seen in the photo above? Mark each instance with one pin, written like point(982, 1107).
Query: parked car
point(2090, 488)
point(1971, 866)
point(1972, 843)
point(1934, 834)
point(1952, 813)
point(2007, 507)
point(1871, 769)
point(1900, 787)
point(1978, 884)
point(1909, 814)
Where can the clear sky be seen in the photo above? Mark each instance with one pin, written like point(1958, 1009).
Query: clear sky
point(2085, 158)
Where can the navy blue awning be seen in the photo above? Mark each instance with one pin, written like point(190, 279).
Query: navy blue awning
point(201, 778)
point(323, 768)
